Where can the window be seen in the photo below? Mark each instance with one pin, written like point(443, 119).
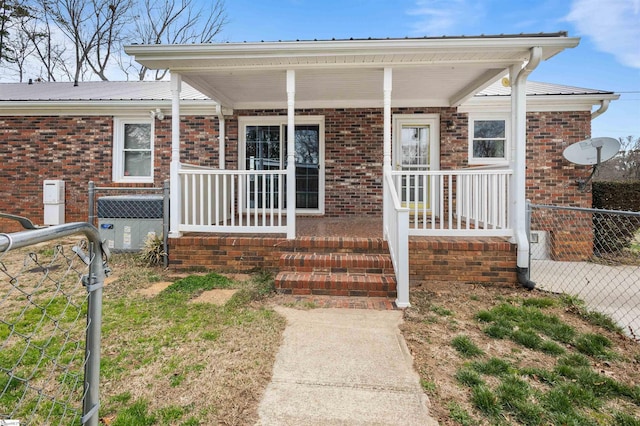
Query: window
point(488, 140)
point(133, 150)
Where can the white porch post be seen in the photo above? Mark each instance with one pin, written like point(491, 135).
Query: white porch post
point(174, 178)
point(386, 138)
point(221, 137)
point(291, 155)
point(518, 77)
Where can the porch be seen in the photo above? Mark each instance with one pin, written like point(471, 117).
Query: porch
point(346, 257)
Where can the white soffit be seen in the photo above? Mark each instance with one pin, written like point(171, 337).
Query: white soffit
point(343, 73)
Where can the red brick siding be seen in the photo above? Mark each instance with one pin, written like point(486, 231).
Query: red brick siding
point(552, 180)
point(78, 150)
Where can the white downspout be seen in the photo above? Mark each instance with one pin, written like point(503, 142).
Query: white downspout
point(174, 178)
point(604, 106)
point(519, 162)
point(221, 137)
point(291, 155)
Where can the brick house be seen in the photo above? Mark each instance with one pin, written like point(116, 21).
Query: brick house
point(433, 145)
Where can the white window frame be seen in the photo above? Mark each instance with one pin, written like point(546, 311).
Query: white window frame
point(281, 120)
point(507, 144)
point(118, 149)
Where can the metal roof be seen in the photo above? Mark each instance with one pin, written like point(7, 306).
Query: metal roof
point(160, 91)
point(95, 91)
point(535, 88)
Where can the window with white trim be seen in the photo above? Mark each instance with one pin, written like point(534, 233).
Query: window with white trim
point(133, 150)
point(488, 139)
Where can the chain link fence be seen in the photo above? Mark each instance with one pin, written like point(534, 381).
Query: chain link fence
point(130, 218)
point(50, 317)
point(591, 254)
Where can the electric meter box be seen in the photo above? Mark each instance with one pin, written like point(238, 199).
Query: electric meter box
point(53, 201)
point(126, 221)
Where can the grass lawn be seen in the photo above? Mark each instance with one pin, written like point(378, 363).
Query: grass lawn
point(169, 359)
point(175, 353)
point(495, 355)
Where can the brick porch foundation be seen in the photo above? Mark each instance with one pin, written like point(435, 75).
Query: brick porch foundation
point(458, 259)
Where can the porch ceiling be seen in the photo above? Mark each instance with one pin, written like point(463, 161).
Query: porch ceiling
point(347, 73)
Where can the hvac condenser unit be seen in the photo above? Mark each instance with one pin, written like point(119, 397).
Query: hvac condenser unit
point(126, 221)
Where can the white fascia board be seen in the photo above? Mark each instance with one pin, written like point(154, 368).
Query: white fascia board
point(111, 108)
point(540, 103)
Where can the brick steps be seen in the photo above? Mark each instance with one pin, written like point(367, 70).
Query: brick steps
point(336, 274)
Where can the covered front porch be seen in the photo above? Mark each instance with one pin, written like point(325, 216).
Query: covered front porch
point(385, 86)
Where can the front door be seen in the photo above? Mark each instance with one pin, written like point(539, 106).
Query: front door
point(416, 150)
point(265, 148)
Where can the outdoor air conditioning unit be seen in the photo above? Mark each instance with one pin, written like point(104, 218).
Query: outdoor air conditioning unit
point(126, 221)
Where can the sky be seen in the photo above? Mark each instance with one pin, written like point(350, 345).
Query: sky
point(607, 58)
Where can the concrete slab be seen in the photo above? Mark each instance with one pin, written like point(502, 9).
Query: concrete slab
point(343, 366)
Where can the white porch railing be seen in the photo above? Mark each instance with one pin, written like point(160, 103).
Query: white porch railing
point(236, 201)
point(396, 233)
point(455, 202)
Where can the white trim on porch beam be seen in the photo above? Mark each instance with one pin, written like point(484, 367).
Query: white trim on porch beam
point(291, 155)
point(174, 178)
point(480, 83)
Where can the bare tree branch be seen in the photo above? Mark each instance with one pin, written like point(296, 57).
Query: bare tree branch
point(177, 22)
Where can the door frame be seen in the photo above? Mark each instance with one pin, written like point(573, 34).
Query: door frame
point(431, 120)
point(281, 120)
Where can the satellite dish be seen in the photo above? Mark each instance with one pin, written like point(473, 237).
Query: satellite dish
point(591, 152)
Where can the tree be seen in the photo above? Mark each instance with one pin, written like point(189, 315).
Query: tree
point(625, 166)
point(630, 157)
point(79, 39)
point(94, 28)
point(175, 22)
point(11, 13)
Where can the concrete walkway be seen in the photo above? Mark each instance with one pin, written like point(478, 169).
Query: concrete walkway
point(343, 367)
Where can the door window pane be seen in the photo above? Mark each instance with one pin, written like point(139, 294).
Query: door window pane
point(307, 148)
point(415, 145)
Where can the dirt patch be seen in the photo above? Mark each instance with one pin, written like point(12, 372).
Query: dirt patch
point(217, 297)
point(442, 311)
point(154, 289)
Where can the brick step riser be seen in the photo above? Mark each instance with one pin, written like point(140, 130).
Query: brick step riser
point(337, 263)
point(336, 285)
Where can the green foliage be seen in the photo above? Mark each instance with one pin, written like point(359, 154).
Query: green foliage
point(440, 310)
point(460, 415)
point(136, 414)
point(594, 345)
point(194, 285)
point(493, 366)
point(465, 346)
point(428, 386)
point(539, 302)
point(469, 377)
point(485, 400)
